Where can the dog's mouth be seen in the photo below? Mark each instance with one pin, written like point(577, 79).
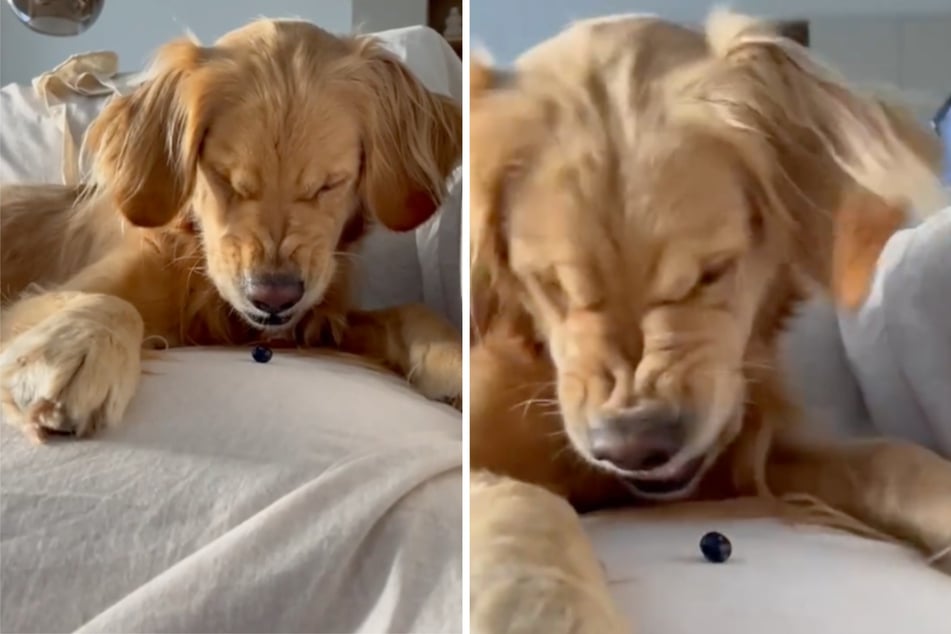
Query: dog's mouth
point(269, 322)
point(671, 483)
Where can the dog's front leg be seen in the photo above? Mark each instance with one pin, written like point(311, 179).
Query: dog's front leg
point(897, 488)
point(532, 565)
point(414, 341)
point(70, 359)
point(69, 363)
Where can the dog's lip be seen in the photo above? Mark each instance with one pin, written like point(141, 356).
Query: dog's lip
point(674, 469)
point(270, 321)
point(667, 480)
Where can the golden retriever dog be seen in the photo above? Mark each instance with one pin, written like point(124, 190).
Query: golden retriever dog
point(649, 205)
point(226, 196)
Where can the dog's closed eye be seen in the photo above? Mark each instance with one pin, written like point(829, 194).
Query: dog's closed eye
point(684, 287)
point(233, 188)
point(332, 183)
point(714, 272)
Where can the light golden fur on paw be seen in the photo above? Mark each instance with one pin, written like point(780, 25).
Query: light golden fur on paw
point(436, 363)
point(76, 370)
point(533, 569)
point(416, 342)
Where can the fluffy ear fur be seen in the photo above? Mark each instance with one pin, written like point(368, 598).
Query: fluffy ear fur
point(144, 146)
point(501, 132)
point(849, 168)
point(863, 226)
point(413, 139)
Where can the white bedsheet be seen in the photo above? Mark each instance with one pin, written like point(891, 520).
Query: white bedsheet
point(779, 580)
point(304, 495)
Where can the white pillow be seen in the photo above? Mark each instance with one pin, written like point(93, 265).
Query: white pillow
point(899, 342)
point(438, 244)
point(819, 375)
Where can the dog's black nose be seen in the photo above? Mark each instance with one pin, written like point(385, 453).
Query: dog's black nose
point(275, 293)
point(641, 439)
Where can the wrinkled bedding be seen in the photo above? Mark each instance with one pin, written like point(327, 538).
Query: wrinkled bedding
point(303, 495)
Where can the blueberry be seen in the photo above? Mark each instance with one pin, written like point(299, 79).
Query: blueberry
point(262, 354)
point(716, 547)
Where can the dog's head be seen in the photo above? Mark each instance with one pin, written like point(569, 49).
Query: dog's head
point(277, 145)
point(647, 204)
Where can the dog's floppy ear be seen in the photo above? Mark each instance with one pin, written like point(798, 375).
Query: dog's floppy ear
point(865, 221)
point(144, 145)
point(863, 225)
point(488, 172)
point(412, 139)
point(850, 169)
point(502, 126)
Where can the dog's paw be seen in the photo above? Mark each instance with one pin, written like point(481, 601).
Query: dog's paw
point(74, 372)
point(437, 372)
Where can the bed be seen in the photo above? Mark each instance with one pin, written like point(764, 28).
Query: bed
point(302, 495)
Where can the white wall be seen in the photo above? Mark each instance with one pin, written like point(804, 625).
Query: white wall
point(508, 27)
point(380, 15)
point(863, 39)
point(135, 28)
point(909, 53)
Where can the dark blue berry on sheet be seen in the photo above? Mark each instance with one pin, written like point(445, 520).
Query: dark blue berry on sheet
point(262, 354)
point(716, 547)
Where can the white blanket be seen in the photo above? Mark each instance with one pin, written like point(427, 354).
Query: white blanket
point(779, 580)
point(303, 495)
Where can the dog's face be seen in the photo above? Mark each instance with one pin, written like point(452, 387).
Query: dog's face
point(277, 202)
point(649, 234)
point(277, 145)
point(645, 292)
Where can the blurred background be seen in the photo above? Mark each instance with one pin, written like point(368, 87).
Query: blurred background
point(135, 28)
point(904, 45)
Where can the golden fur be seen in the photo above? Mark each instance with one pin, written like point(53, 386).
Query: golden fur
point(649, 204)
point(267, 154)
